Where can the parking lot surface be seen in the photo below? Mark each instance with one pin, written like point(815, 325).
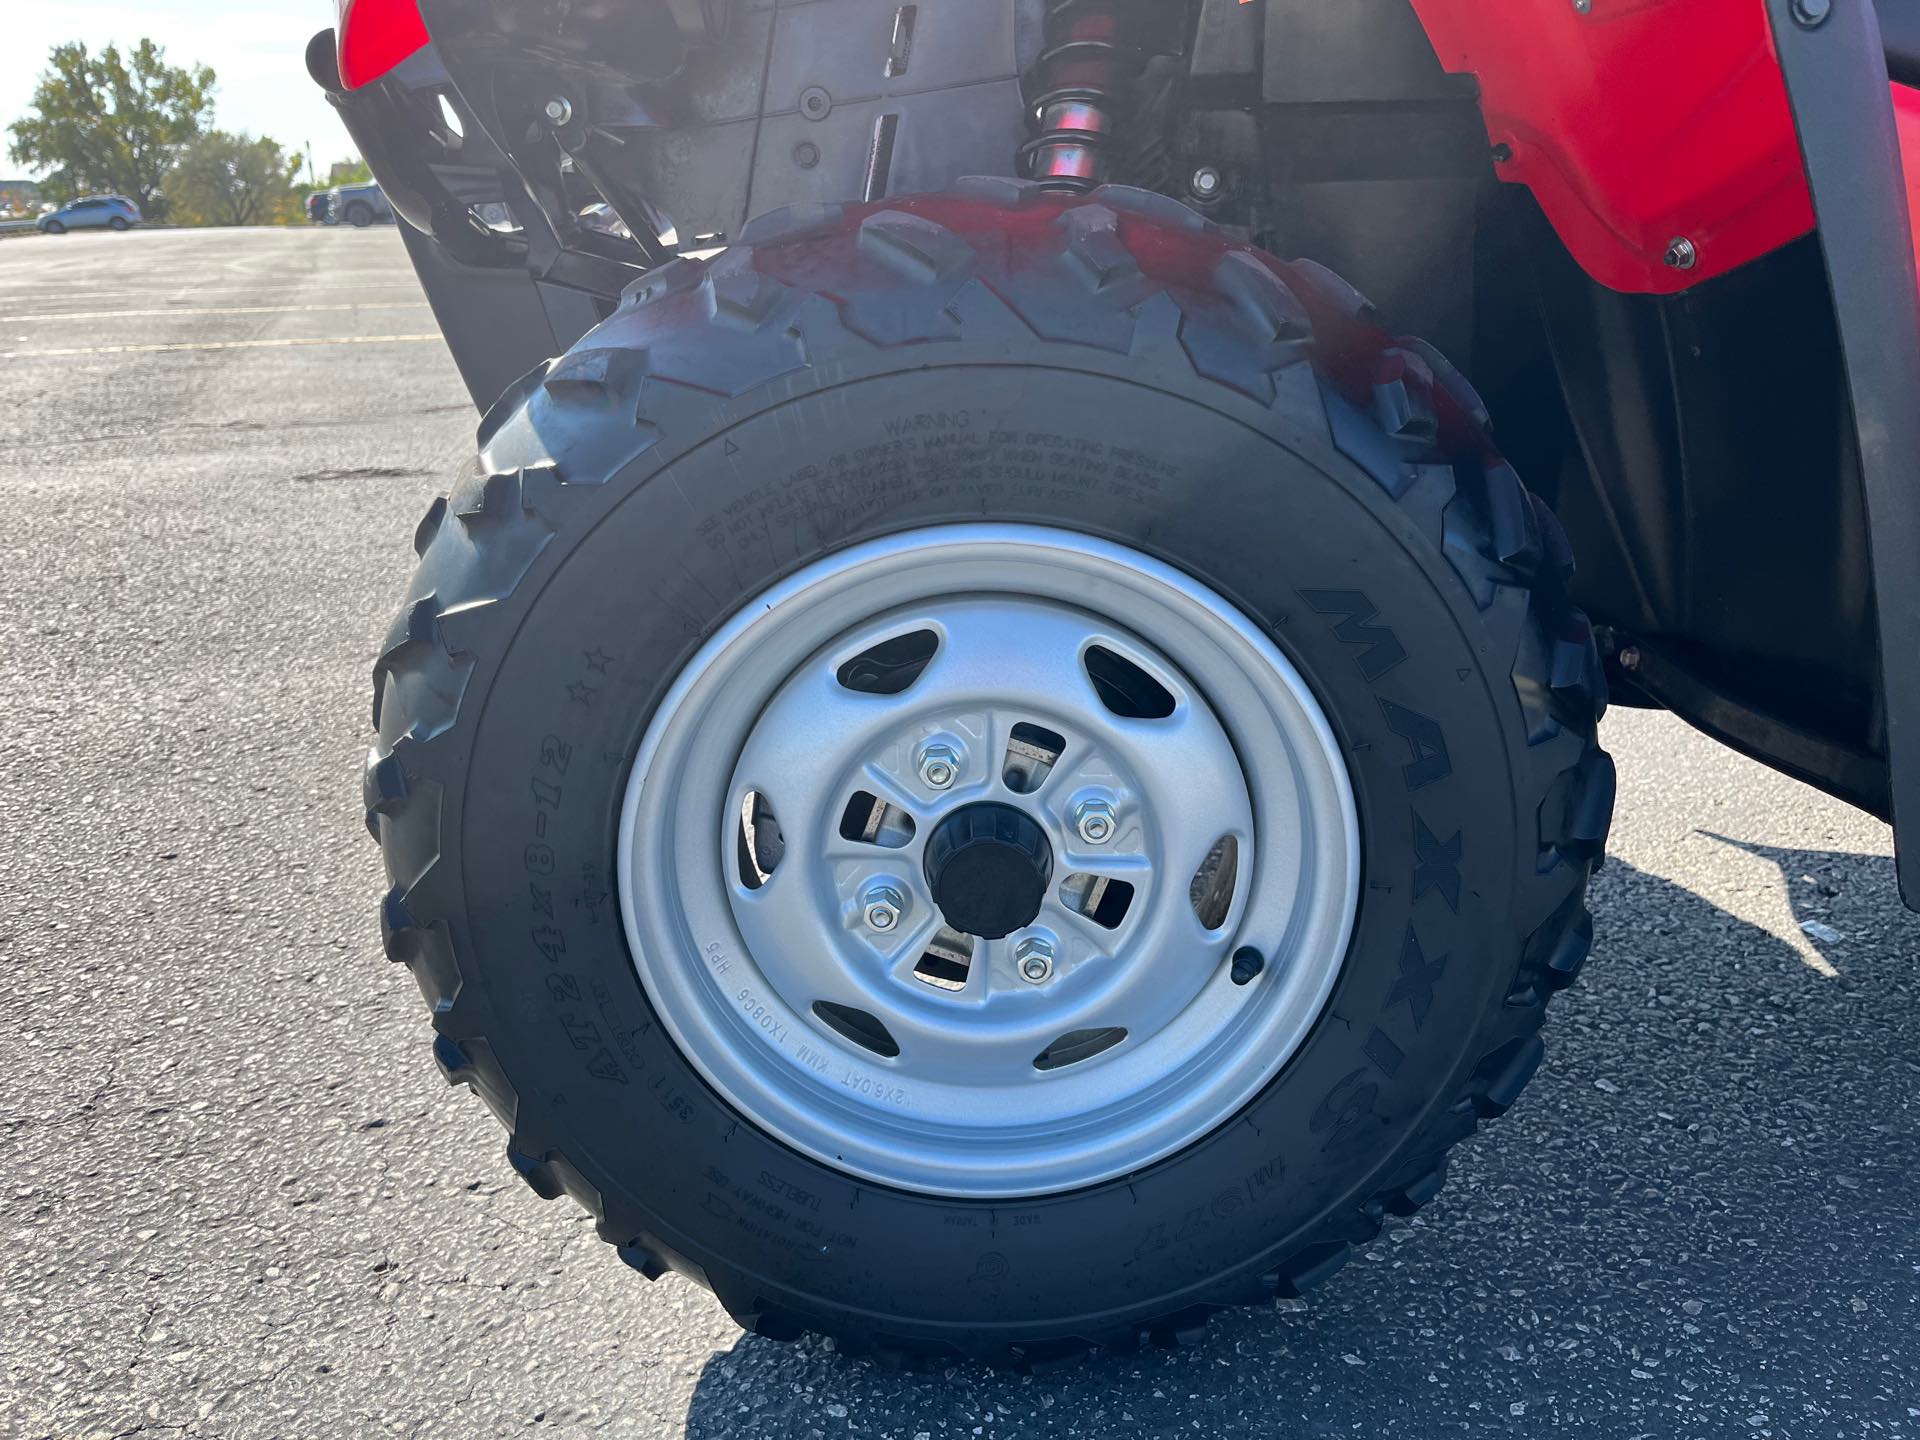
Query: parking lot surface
point(237, 1199)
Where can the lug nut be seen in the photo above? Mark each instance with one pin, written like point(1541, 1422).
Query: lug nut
point(939, 766)
point(884, 906)
point(1034, 956)
point(1095, 821)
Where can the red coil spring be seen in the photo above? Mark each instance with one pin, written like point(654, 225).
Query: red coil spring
point(1077, 79)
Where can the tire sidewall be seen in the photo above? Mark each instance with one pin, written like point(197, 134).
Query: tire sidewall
point(1245, 497)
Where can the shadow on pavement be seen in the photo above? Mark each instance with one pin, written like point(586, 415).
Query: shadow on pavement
point(1700, 1220)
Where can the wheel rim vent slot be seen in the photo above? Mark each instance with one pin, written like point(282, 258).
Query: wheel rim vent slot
point(948, 961)
point(1211, 890)
point(1103, 900)
point(1125, 687)
point(761, 844)
point(862, 1029)
point(869, 820)
point(1032, 752)
point(892, 666)
point(1077, 1046)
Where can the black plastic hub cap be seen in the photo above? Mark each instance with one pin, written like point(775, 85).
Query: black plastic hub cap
point(989, 866)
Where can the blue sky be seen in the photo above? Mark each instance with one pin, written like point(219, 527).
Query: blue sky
point(255, 49)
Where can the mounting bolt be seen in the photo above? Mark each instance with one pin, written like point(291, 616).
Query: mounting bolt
point(884, 906)
point(1811, 14)
point(1095, 821)
point(1680, 253)
point(940, 766)
point(559, 110)
point(1630, 658)
point(1206, 183)
point(1034, 956)
point(1583, 7)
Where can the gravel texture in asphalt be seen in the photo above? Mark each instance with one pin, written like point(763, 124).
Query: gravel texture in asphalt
point(237, 1199)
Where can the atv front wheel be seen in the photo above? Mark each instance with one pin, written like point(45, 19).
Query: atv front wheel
point(989, 774)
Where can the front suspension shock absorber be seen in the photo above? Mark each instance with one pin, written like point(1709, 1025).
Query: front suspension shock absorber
point(1075, 95)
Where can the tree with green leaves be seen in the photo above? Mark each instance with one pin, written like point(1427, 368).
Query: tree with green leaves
point(224, 179)
point(113, 124)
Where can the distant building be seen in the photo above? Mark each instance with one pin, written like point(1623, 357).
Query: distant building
point(19, 197)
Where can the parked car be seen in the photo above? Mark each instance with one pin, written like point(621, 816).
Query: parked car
point(358, 206)
point(92, 212)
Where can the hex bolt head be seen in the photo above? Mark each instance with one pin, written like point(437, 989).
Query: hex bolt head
point(883, 907)
point(940, 766)
point(559, 110)
point(1034, 957)
point(1206, 183)
point(1095, 821)
point(1680, 253)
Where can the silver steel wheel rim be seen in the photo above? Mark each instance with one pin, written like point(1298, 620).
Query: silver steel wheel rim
point(740, 945)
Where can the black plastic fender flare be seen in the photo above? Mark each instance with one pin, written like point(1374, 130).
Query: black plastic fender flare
point(1836, 70)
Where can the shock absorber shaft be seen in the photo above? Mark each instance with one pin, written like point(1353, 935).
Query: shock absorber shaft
point(1077, 79)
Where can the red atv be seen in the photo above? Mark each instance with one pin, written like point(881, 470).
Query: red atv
point(986, 765)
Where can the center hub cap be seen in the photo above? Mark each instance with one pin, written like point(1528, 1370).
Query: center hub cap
point(989, 866)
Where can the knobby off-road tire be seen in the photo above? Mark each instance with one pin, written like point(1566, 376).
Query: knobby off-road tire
point(739, 419)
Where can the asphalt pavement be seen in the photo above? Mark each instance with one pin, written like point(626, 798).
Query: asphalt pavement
point(237, 1200)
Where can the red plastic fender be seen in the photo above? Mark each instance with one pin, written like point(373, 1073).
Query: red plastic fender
point(1906, 119)
point(1637, 123)
point(376, 36)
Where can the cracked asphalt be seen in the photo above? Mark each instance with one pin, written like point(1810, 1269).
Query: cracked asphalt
point(238, 1201)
